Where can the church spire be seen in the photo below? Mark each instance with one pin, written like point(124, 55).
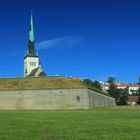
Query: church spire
point(31, 32)
point(31, 58)
point(31, 48)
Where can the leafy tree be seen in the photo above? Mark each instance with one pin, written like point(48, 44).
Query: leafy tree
point(113, 91)
point(111, 79)
point(139, 95)
point(139, 91)
point(123, 97)
point(87, 81)
point(95, 85)
point(120, 95)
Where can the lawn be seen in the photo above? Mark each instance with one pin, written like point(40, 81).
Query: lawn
point(49, 82)
point(120, 123)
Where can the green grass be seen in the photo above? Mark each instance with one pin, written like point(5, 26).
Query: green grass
point(40, 83)
point(49, 82)
point(97, 124)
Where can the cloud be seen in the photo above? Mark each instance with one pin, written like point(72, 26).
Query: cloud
point(66, 41)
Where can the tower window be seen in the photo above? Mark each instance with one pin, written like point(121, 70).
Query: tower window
point(32, 63)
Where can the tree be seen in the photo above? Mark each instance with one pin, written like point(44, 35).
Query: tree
point(123, 97)
point(139, 95)
point(95, 85)
point(113, 90)
point(111, 79)
point(139, 91)
point(87, 81)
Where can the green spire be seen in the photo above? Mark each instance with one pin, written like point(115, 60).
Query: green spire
point(31, 32)
point(31, 48)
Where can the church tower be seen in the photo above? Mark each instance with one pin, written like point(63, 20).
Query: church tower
point(31, 59)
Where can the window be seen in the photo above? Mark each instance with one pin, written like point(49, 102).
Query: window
point(78, 98)
point(32, 63)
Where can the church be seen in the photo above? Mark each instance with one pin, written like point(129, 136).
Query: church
point(32, 66)
point(47, 92)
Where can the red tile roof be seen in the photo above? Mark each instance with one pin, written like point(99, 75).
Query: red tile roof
point(125, 85)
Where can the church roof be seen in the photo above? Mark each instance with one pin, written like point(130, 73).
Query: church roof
point(37, 72)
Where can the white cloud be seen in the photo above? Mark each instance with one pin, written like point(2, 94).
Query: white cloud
point(66, 41)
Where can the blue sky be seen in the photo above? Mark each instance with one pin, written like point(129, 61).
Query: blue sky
point(80, 38)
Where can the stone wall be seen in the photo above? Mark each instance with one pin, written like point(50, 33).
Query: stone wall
point(53, 99)
point(100, 100)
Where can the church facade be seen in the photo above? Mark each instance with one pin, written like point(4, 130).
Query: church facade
point(32, 68)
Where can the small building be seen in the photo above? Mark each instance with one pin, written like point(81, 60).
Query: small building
point(132, 87)
point(133, 99)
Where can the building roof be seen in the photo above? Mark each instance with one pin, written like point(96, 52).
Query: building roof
point(129, 85)
point(37, 72)
point(125, 85)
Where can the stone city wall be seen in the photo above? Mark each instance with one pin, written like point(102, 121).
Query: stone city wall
point(53, 99)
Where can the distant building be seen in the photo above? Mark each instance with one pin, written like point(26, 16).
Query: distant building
point(31, 58)
point(133, 99)
point(132, 87)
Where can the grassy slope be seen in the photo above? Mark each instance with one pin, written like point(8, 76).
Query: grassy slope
point(40, 83)
point(97, 124)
